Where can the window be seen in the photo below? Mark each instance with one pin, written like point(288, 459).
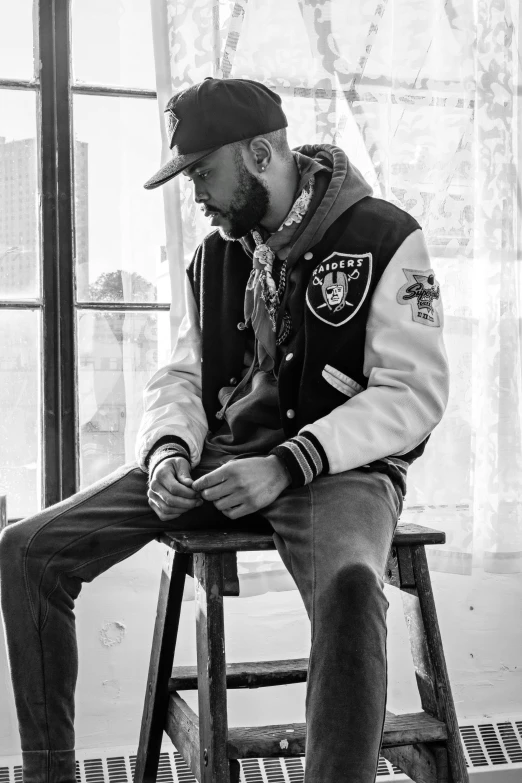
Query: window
point(84, 296)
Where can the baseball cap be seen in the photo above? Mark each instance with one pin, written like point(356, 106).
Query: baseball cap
point(215, 112)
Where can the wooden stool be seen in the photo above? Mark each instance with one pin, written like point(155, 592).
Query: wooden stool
point(425, 745)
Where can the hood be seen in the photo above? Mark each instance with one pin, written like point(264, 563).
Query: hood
point(338, 186)
point(345, 187)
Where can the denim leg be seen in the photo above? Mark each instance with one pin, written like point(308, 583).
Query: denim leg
point(44, 560)
point(334, 536)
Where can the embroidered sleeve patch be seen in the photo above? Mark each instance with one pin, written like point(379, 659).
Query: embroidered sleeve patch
point(422, 293)
point(339, 286)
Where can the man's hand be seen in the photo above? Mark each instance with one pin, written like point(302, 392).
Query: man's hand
point(244, 486)
point(170, 491)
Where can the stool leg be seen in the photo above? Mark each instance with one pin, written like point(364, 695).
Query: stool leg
point(212, 683)
point(160, 667)
point(428, 653)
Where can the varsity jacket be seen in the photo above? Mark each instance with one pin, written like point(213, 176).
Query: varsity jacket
point(363, 374)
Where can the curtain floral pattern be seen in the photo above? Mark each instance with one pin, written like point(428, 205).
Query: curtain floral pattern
point(424, 96)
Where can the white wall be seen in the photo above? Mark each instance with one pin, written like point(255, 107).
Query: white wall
point(116, 613)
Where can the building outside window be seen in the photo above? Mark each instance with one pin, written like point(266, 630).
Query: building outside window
point(120, 292)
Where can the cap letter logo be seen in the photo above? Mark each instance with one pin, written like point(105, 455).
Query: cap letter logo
point(171, 123)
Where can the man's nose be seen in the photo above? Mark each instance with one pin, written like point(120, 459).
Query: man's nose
point(200, 195)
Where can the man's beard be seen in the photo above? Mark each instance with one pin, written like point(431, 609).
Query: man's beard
point(248, 206)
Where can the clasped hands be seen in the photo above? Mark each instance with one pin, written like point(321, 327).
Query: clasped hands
point(238, 488)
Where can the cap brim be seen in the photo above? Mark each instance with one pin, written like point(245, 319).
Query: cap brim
point(176, 166)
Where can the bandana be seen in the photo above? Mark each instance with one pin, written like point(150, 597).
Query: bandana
point(263, 296)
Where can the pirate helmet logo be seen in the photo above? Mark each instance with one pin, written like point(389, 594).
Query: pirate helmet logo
point(335, 289)
point(339, 286)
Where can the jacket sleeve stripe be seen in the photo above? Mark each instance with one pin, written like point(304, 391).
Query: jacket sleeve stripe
point(314, 447)
point(303, 456)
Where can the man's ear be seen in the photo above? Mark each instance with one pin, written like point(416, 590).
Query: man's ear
point(261, 153)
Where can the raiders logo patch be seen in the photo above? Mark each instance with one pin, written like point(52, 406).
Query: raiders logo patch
point(339, 286)
point(422, 293)
point(171, 124)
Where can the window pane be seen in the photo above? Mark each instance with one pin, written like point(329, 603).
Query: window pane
point(121, 33)
point(16, 39)
point(19, 231)
point(120, 229)
point(20, 406)
point(117, 353)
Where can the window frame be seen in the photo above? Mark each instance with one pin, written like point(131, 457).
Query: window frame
point(59, 432)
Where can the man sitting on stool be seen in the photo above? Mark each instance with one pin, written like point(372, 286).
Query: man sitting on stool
point(308, 374)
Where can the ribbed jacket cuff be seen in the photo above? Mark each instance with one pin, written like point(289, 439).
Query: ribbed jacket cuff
point(304, 457)
point(164, 448)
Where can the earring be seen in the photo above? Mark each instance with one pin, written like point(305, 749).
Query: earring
point(263, 168)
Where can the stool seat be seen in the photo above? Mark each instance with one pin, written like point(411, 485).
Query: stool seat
point(425, 745)
point(233, 540)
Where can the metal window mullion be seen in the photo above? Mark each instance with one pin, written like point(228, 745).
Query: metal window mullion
point(19, 304)
point(60, 463)
point(123, 307)
point(101, 90)
point(18, 84)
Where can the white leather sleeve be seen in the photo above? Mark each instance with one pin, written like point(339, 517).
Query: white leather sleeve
point(172, 398)
point(406, 366)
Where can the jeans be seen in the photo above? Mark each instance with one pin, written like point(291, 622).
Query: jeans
point(333, 535)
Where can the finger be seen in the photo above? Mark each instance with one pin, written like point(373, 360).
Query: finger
point(158, 510)
point(183, 472)
point(228, 502)
point(211, 479)
point(238, 511)
point(218, 491)
point(167, 484)
point(175, 474)
point(174, 501)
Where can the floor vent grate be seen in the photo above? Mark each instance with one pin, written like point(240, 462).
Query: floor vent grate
point(511, 742)
point(473, 746)
point(493, 745)
point(487, 746)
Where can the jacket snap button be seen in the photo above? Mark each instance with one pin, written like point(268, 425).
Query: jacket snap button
point(308, 256)
point(233, 381)
point(289, 357)
point(241, 325)
point(290, 414)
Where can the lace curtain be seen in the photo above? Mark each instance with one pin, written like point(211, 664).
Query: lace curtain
point(424, 96)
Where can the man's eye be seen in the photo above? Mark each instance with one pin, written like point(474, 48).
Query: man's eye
point(203, 174)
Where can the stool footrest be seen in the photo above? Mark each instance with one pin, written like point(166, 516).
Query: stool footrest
point(289, 740)
point(257, 674)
